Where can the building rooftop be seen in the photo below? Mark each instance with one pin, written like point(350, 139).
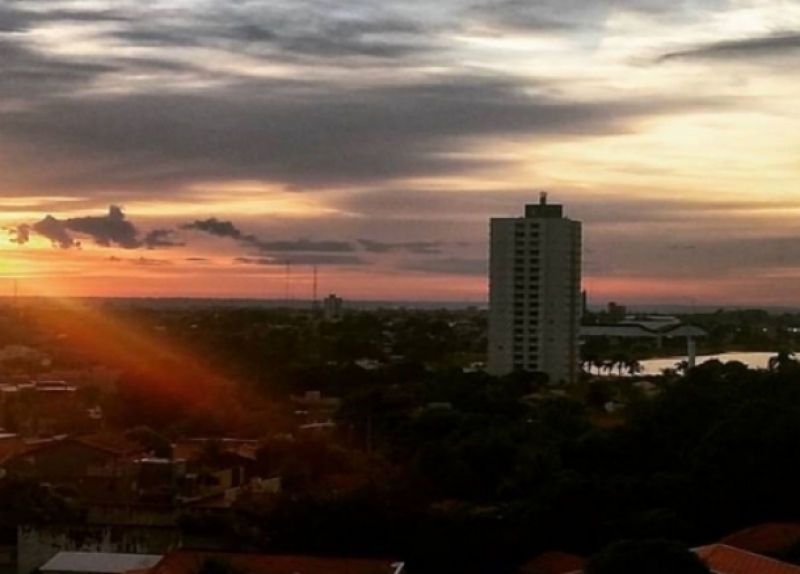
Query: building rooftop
point(185, 562)
point(769, 538)
point(723, 559)
point(553, 563)
point(111, 442)
point(623, 330)
point(99, 562)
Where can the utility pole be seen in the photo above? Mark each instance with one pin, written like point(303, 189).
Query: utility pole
point(288, 286)
point(314, 291)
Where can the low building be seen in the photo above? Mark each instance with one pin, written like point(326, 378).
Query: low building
point(98, 563)
point(720, 559)
point(185, 562)
point(553, 563)
point(771, 538)
point(312, 408)
point(723, 559)
point(100, 463)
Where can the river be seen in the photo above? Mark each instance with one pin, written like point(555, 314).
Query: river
point(757, 360)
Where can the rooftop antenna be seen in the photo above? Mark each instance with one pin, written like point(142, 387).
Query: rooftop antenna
point(288, 279)
point(314, 289)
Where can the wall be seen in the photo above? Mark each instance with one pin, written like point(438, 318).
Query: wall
point(37, 545)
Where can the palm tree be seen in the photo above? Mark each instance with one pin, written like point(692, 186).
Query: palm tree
point(620, 360)
point(783, 362)
point(633, 367)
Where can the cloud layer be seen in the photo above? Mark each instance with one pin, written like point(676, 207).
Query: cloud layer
point(383, 136)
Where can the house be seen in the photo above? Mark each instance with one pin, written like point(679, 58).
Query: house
point(553, 563)
point(185, 562)
point(98, 563)
point(723, 559)
point(313, 409)
point(39, 406)
point(772, 538)
point(720, 559)
point(71, 459)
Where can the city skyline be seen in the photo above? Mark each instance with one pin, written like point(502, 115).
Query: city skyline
point(186, 148)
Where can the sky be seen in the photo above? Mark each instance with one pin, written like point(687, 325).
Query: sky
point(228, 148)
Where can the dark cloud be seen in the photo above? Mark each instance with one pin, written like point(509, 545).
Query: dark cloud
point(149, 262)
point(14, 17)
point(579, 15)
point(304, 259)
point(273, 132)
point(54, 230)
point(418, 247)
point(161, 238)
point(150, 130)
point(20, 234)
point(218, 228)
point(283, 33)
point(32, 76)
point(740, 49)
point(731, 257)
point(304, 245)
point(449, 266)
point(141, 261)
point(434, 208)
point(111, 229)
point(106, 230)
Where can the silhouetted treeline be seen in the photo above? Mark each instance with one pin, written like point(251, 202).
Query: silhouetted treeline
point(480, 480)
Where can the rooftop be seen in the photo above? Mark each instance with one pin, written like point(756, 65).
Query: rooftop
point(184, 562)
point(553, 563)
point(99, 562)
point(724, 559)
point(769, 538)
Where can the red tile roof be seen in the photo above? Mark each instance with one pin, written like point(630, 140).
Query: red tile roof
point(554, 563)
point(769, 538)
point(724, 559)
point(12, 447)
point(185, 562)
point(113, 443)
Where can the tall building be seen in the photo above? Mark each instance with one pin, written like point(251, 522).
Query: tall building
point(332, 308)
point(535, 293)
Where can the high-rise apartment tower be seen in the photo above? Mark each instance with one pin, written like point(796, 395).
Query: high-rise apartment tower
point(535, 293)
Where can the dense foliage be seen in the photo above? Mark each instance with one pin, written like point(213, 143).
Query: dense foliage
point(450, 470)
point(485, 475)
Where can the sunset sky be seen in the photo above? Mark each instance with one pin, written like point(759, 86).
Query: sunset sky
point(192, 148)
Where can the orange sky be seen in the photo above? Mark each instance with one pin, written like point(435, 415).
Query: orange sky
point(375, 141)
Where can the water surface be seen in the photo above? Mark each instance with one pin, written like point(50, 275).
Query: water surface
point(755, 360)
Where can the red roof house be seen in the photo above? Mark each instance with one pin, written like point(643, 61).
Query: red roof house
point(186, 562)
point(723, 559)
point(770, 538)
point(553, 563)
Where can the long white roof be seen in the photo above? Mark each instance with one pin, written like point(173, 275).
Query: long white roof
point(100, 562)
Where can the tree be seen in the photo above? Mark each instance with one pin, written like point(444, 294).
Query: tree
point(633, 367)
point(652, 556)
point(783, 362)
point(151, 440)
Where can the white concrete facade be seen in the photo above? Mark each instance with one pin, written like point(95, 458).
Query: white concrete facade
point(535, 293)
